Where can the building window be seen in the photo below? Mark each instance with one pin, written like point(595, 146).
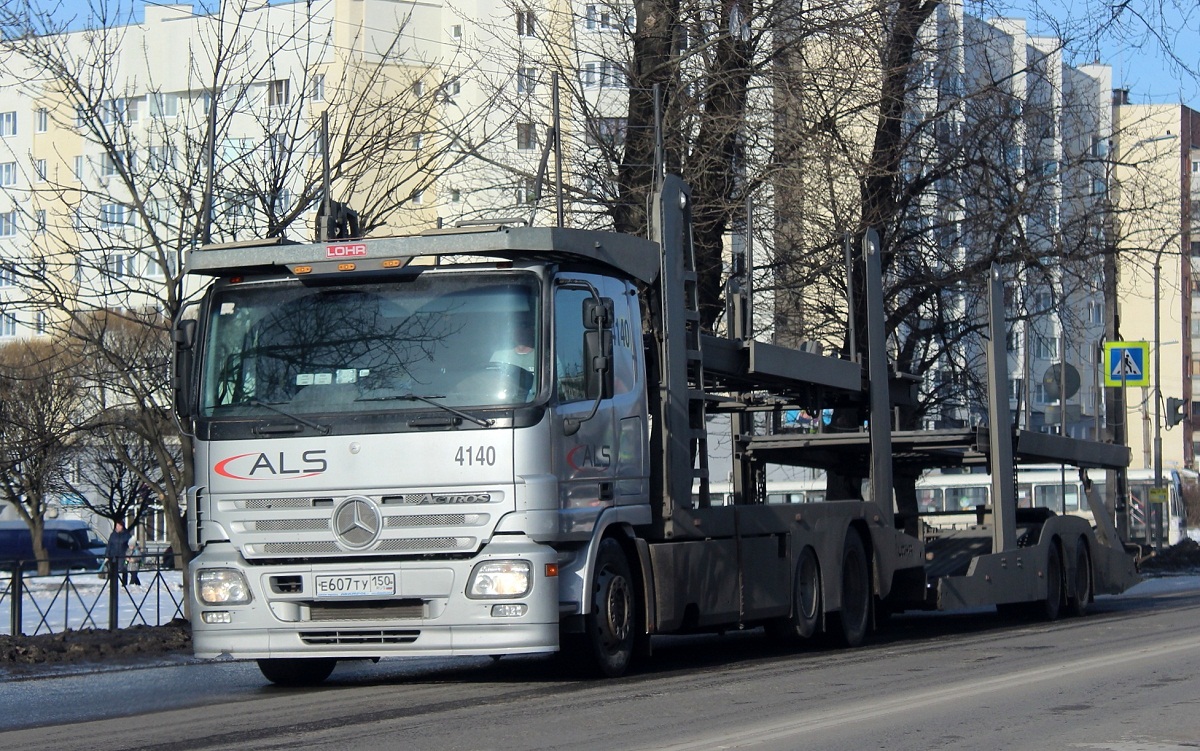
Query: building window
point(526, 78)
point(455, 195)
point(39, 168)
point(8, 123)
point(456, 31)
point(8, 325)
point(119, 111)
point(525, 23)
point(417, 141)
point(612, 75)
point(1095, 311)
point(40, 219)
point(162, 157)
point(80, 116)
point(526, 136)
point(278, 93)
point(8, 224)
point(8, 275)
point(609, 131)
point(418, 88)
point(527, 192)
point(41, 120)
point(418, 198)
point(164, 105)
point(589, 74)
point(39, 324)
point(78, 169)
point(113, 214)
point(1045, 348)
point(8, 173)
point(318, 87)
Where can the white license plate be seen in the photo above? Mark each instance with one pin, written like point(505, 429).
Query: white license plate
point(356, 585)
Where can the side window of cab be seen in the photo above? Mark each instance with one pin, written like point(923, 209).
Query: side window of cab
point(569, 330)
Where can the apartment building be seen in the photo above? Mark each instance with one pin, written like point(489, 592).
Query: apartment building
point(1156, 153)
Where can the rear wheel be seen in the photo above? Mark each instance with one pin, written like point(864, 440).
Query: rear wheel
point(805, 619)
point(1081, 591)
point(1051, 607)
point(301, 671)
point(855, 616)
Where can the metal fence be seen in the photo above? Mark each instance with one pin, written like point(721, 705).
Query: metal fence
point(72, 599)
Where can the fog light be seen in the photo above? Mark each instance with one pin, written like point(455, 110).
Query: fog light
point(509, 611)
point(218, 616)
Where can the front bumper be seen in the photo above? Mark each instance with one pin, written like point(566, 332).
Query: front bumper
point(429, 615)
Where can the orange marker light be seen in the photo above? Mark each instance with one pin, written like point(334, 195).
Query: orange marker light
point(391, 263)
point(302, 270)
point(551, 570)
point(345, 267)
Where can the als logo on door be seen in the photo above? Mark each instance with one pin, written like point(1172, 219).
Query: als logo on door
point(281, 466)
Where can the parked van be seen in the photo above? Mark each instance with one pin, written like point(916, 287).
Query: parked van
point(70, 544)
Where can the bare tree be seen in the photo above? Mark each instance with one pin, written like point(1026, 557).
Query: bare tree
point(40, 427)
point(223, 144)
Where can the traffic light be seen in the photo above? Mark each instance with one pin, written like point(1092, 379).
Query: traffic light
point(1175, 410)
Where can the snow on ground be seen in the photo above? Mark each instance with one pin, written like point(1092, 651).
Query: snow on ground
point(80, 600)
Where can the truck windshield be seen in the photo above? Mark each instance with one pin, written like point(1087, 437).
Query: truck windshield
point(460, 340)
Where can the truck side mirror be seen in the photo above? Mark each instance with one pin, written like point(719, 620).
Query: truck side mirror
point(598, 357)
point(184, 336)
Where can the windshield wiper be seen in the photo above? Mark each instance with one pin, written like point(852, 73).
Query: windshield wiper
point(322, 429)
point(410, 397)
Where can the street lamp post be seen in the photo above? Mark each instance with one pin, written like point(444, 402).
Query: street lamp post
point(1157, 408)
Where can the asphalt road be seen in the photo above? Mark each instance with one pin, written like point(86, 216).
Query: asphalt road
point(1122, 678)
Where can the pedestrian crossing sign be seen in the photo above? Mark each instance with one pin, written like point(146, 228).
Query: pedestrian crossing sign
point(1126, 364)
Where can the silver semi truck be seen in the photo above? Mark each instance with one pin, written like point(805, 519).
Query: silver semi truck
point(494, 441)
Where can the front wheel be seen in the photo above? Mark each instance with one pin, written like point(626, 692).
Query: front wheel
point(611, 628)
point(297, 671)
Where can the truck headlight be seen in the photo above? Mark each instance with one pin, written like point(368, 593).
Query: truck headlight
point(500, 579)
point(222, 586)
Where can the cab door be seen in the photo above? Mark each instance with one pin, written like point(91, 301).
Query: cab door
point(586, 437)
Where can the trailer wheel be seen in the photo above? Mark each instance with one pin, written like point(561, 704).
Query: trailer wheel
point(610, 630)
point(1051, 607)
point(1082, 591)
point(301, 671)
point(855, 616)
point(805, 619)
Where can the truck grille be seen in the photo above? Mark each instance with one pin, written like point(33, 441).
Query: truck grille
point(367, 611)
point(327, 527)
point(414, 545)
point(355, 637)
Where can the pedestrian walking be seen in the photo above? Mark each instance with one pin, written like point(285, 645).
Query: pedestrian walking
point(115, 553)
point(133, 562)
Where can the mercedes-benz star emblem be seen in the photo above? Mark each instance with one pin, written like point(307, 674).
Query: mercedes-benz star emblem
point(356, 523)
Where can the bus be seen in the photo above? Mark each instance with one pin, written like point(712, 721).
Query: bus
point(954, 500)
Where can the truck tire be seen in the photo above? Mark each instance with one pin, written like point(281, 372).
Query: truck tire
point(1050, 608)
point(297, 671)
point(805, 619)
point(1081, 591)
point(610, 630)
point(854, 618)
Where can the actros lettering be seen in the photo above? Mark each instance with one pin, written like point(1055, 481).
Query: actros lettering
point(281, 466)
